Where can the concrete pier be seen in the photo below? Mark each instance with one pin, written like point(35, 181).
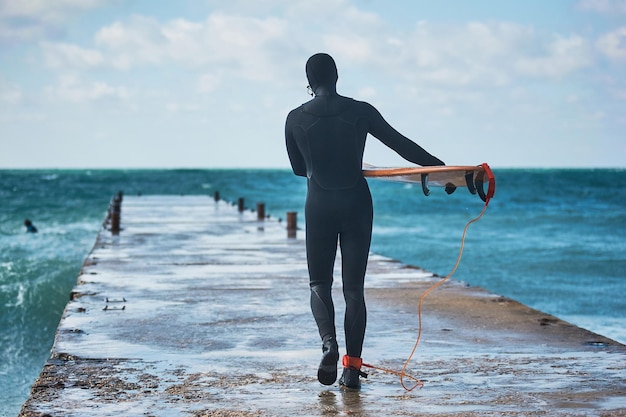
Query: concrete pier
point(198, 309)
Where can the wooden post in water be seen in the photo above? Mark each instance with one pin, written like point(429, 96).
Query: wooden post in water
point(292, 223)
point(260, 210)
point(116, 213)
point(240, 204)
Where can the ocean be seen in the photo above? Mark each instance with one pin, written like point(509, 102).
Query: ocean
point(553, 239)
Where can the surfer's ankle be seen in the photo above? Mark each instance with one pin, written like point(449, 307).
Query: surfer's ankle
point(352, 372)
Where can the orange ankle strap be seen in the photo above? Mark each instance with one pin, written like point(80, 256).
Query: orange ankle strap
point(351, 362)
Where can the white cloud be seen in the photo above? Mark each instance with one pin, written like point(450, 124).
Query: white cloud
point(242, 44)
point(603, 6)
point(207, 83)
point(246, 44)
point(252, 48)
point(64, 55)
point(10, 93)
point(186, 108)
point(354, 47)
point(613, 44)
point(140, 41)
point(233, 46)
point(561, 57)
point(49, 10)
point(482, 54)
point(71, 88)
point(24, 20)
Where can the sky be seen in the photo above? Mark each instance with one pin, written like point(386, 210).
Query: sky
point(208, 84)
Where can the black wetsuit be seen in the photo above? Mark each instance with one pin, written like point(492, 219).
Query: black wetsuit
point(325, 142)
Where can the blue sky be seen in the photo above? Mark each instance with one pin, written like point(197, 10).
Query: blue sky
point(206, 83)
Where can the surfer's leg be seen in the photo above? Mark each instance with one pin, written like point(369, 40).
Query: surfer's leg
point(321, 257)
point(355, 241)
point(355, 246)
point(321, 247)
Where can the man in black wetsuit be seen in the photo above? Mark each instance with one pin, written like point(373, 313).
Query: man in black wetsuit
point(30, 227)
point(325, 142)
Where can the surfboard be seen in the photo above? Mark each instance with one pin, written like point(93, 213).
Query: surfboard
point(472, 177)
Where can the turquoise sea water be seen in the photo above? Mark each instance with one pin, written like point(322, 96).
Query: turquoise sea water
point(554, 239)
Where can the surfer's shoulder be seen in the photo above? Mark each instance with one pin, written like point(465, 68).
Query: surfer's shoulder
point(365, 108)
point(360, 103)
point(295, 112)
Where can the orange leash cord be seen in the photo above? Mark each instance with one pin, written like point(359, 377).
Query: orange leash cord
point(403, 374)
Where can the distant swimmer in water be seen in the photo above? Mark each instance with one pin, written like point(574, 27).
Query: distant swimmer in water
point(325, 141)
point(30, 227)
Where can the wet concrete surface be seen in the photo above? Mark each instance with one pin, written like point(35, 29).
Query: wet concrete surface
point(198, 310)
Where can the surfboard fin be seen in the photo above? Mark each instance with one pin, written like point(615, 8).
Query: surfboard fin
point(425, 189)
point(480, 189)
point(469, 180)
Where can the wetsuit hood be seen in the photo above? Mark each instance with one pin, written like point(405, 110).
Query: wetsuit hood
point(321, 70)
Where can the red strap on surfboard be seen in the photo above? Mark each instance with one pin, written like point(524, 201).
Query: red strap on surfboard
point(491, 189)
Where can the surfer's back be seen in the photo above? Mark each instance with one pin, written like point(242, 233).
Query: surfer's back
point(329, 132)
